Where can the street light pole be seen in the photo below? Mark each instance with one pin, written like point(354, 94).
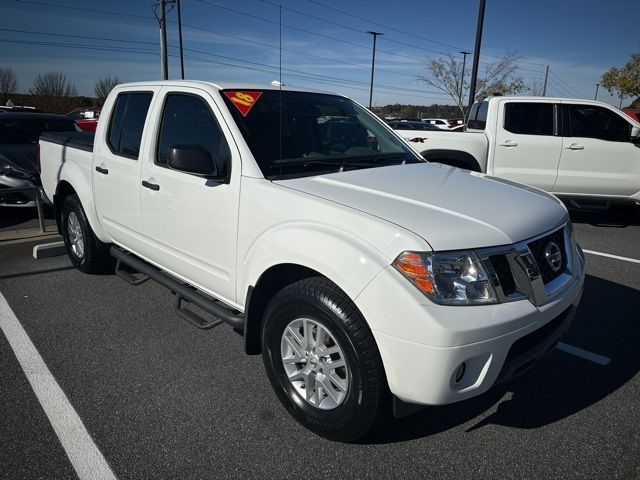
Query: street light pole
point(596, 96)
point(476, 55)
point(180, 40)
point(464, 64)
point(164, 67)
point(373, 64)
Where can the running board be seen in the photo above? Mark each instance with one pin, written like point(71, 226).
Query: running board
point(221, 312)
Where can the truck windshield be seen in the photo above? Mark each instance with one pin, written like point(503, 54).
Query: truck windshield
point(296, 134)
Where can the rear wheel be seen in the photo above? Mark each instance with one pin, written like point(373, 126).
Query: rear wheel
point(85, 251)
point(323, 362)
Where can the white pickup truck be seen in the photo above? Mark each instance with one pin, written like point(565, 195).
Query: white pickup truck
point(370, 280)
point(585, 151)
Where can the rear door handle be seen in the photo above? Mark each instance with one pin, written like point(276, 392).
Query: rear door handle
point(152, 186)
point(103, 171)
point(509, 143)
point(575, 146)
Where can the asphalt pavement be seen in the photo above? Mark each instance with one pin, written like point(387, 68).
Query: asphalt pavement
point(161, 399)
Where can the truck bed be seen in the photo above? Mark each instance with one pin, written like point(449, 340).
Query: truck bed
point(65, 155)
point(81, 140)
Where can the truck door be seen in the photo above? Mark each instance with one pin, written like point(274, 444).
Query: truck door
point(598, 156)
point(116, 168)
point(190, 219)
point(527, 147)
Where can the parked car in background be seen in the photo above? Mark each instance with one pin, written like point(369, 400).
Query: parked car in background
point(441, 123)
point(585, 151)
point(634, 113)
point(19, 109)
point(409, 125)
point(86, 118)
point(19, 135)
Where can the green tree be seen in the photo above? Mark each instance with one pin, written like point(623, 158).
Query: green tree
point(623, 82)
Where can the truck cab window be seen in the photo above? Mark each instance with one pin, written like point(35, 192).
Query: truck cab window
point(127, 123)
point(592, 121)
point(478, 116)
point(529, 118)
point(188, 120)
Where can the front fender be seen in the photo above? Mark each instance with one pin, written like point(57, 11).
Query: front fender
point(349, 261)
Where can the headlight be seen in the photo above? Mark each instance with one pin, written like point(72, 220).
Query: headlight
point(449, 278)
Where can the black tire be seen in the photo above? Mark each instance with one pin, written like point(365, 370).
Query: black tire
point(367, 400)
point(95, 258)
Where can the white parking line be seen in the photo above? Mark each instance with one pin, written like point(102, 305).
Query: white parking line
point(609, 255)
point(83, 453)
point(579, 352)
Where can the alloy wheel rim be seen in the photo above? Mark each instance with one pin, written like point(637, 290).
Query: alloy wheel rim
point(315, 363)
point(76, 238)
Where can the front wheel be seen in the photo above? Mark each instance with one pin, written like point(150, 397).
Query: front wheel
point(323, 362)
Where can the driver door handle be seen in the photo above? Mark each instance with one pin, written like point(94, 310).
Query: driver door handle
point(151, 186)
point(509, 143)
point(103, 171)
point(575, 146)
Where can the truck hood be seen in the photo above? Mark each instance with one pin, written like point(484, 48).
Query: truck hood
point(448, 207)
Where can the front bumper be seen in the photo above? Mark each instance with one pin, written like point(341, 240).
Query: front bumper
point(19, 199)
point(423, 345)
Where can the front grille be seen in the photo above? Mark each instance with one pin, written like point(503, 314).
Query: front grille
point(503, 272)
point(537, 250)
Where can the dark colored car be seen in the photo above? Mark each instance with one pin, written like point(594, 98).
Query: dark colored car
point(19, 135)
point(396, 125)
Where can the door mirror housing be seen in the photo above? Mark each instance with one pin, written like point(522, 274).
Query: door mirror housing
point(193, 159)
point(635, 134)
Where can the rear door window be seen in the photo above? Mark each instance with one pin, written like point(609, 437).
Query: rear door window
point(127, 123)
point(478, 116)
point(593, 121)
point(529, 118)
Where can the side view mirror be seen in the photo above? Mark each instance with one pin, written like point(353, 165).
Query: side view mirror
point(635, 134)
point(193, 159)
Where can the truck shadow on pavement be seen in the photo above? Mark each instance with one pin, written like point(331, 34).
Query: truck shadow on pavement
point(561, 385)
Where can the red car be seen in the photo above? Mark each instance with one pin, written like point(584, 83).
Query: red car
point(633, 113)
point(86, 118)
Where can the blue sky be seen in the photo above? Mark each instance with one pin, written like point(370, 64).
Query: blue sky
point(579, 39)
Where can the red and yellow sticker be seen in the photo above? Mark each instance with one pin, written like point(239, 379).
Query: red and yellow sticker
point(243, 100)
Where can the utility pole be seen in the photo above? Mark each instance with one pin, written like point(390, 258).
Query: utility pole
point(464, 64)
point(546, 77)
point(180, 40)
point(596, 96)
point(164, 66)
point(476, 55)
point(373, 64)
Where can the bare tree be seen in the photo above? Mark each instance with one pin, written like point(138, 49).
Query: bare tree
point(536, 88)
point(445, 74)
point(104, 86)
point(55, 92)
point(8, 83)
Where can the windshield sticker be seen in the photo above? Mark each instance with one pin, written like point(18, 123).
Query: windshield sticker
point(244, 101)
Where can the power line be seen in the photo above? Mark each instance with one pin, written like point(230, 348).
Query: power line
point(385, 26)
point(330, 22)
point(33, 2)
point(570, 87)
point(292, 27)
point(295, 73)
